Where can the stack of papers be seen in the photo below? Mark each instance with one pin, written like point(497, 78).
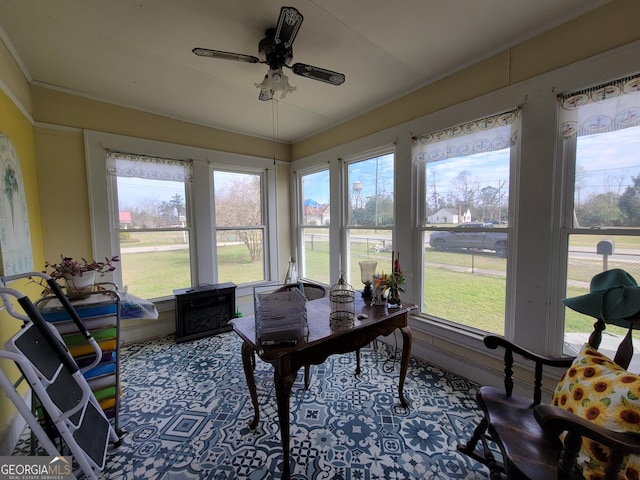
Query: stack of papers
point(281, 316)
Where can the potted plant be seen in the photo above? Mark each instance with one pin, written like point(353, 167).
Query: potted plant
point(78, 275)
point(393, 283)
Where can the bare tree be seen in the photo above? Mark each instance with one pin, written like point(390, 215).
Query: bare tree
point(488, 201)
point(239, 205)
point(464, 189)
point(614, 183)
point(582, 175)
point(147, 214)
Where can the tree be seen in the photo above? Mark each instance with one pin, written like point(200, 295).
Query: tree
point(582, 175)
point(167, 215)
point(630, 203)
point(238, 204)
point(599, 211)
point(177, 203)
point(377, 212)
point(488, 201)
point(147, 214)
point(465, 190)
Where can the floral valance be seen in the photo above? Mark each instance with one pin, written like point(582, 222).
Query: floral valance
point(484, 135)
point(153, 168)
point(604, 108)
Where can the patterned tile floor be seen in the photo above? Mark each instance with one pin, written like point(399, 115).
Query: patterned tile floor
point(185, 409)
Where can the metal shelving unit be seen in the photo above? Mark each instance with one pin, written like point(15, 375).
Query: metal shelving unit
point(100, 311)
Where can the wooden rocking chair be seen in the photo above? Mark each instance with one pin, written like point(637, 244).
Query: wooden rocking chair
point(527, 431)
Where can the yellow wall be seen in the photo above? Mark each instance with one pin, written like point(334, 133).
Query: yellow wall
point(59, 108)
point(15, 125)
point(61, 158)
point(62, 176)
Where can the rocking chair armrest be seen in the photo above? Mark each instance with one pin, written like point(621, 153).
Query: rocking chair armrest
point(555, 420)
point(495, 341)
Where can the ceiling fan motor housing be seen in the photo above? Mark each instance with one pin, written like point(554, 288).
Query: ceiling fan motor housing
point(274, 53)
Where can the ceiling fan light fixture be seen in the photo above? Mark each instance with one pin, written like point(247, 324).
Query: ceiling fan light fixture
point(275, 81)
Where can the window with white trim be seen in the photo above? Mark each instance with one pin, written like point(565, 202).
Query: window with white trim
point(600, 131)
point(153, 233)
point(369, 216)
point(314, 207)
point(237, 247)
point(465, 175)
point(239, 225)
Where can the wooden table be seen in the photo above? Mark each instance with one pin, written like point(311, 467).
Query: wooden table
point(321, 342)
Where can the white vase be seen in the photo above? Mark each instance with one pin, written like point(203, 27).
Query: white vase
point(80, 285)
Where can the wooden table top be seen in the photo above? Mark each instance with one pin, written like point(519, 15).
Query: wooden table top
point(318, 325)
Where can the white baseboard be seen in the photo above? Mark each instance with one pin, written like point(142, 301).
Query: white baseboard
point(139, 330)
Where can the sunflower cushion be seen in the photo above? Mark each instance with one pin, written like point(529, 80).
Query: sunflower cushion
point(598, 389)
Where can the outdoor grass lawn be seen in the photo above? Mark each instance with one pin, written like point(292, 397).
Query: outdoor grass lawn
point(475, 299)
point(157, 273)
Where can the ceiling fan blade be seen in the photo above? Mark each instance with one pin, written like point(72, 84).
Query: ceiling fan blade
point(289, 23)
point(317, 73)
point(205, 52)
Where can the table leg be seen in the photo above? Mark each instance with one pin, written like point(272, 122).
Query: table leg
point(283, 383)
point(406, 353)
point(248, 364)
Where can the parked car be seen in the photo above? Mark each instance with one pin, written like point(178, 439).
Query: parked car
point(465, 236)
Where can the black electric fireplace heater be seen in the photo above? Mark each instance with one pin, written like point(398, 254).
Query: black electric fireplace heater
point(204, 310)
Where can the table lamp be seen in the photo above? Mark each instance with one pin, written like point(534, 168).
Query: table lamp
point(367, 269)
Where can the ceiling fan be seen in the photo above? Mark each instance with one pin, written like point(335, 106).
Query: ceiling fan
point(276, 50)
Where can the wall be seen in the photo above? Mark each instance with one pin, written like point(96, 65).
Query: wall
point(61, 118)
point(15, 122)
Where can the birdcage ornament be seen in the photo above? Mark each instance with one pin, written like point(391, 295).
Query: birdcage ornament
point(343, 304)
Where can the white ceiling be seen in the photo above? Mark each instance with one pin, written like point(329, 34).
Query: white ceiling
point(137, 53)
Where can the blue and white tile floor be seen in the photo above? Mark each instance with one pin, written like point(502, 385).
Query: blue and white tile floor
point(185, 410)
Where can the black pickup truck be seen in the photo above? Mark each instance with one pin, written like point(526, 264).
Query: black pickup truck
point(464, 237)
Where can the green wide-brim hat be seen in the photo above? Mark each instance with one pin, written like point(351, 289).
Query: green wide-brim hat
point(613, 296)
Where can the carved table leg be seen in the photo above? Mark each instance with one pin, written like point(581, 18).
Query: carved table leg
point(404, 366)
point(283, 382)
point(248, 365)
point(307, 376)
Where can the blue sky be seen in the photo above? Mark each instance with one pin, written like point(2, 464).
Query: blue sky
point(606, 157)
point(316, 186)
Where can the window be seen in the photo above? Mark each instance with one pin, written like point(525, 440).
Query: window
point(465, 172)
point(315, 213)
point(370, 215)
point(160, 247)
point(240, 227)
point(600, 128)
point(153, 234)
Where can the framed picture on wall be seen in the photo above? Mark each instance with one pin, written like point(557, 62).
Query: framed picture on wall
point(15, 238)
